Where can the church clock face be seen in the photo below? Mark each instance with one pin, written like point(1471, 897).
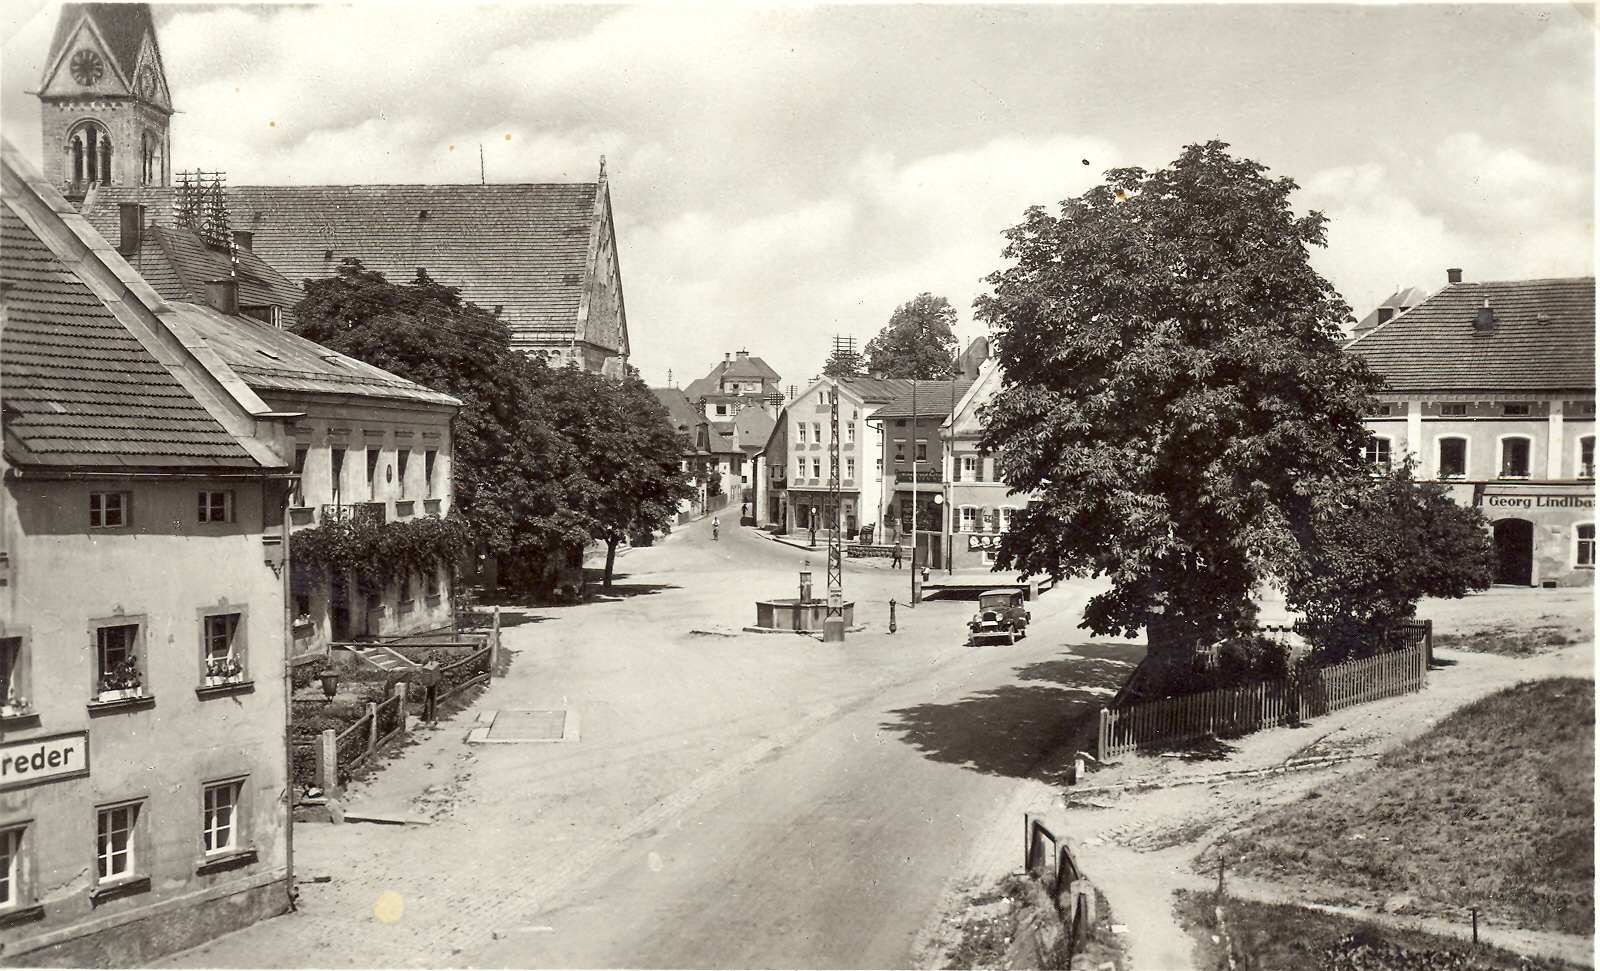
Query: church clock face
point(87, 67)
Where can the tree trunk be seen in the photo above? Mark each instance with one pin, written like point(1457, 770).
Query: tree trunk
point(611, 558)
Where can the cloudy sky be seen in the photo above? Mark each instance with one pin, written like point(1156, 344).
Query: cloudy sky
point(783, 174)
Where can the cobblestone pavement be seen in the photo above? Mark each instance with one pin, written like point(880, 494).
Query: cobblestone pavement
point(744, 801)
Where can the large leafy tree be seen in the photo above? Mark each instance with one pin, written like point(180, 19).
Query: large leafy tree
point(546, 459)
point(1174, 392)
point(1379, 544)
point(919, 341)
point(625, 478)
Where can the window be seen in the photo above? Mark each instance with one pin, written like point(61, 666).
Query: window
point(1453, 458)
point(1006, 512)
point(428, 459)
point(800, 470)
point(372, 473)
point(1586, 457)
point(800, 432)
point(13, 677)
point(879, 466)
point(1453, 410)
point(300, 453)
point(404, 590)
point(1514, 457)
point(224, 648)
point(722, 411)
point(219, 821)
point(117, 659)
point(816, 431)
point(969, 519)
point(849, 468)
point(1382, 411)
point(899, 450)
point(850, 434)
point(1377, 454)
point(430, 580)
point(1584, 554)
point(116, 841)
point(970, 468)
point(816, 468)
point(108, 510)
point(336, 456)
point(10, 866)
point(1518, 410)
point(402, 460)
point(922, 451)
point(216, 507)
point(1582, 408)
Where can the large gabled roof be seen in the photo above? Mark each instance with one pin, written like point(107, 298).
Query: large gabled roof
point(1542, 340)
point(524, 248)
point(683, 415)
point(91, 372)
point(752, 426)
point(744, 368)
point(177, 263)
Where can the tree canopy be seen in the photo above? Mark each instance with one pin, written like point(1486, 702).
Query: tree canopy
point(918, 342)
point(1174, 391)
point(845, 362)
point(546, 459)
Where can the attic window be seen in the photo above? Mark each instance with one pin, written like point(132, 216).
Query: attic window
point(266, 353)
point(327, 254)
point(498, 307)
point(570, 279)
point(423, 214)
point(1518, 410)
point(333, 359)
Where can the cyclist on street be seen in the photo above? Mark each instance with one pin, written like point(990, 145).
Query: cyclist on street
point(716, 525)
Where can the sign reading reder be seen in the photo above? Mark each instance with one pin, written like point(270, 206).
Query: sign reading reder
point(34, 760)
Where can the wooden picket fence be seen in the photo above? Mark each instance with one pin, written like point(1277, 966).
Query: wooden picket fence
point(1265, 704)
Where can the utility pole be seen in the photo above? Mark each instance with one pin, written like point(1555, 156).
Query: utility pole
point(833, 621)
point(483, 172)
point(916, 580)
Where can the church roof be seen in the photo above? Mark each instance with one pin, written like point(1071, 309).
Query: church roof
point(122, 25)
point(81, 388)
point(1542, 339)
point(523, 248)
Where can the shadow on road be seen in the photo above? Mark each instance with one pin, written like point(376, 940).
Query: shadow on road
point(1021, 730)
point(619, 590)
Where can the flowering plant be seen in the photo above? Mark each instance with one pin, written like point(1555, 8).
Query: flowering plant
point(124, 676)
point(223, 667)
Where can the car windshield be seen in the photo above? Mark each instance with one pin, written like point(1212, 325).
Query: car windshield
point(994, 600)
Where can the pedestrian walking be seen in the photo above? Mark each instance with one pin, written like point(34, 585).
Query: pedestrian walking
point(898, 553)
point(716, 524)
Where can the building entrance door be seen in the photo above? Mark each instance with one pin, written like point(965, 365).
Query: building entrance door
point(1513, 551)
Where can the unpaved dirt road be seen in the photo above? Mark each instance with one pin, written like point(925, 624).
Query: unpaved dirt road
point(735, 801)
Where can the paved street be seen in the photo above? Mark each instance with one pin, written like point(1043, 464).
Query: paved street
point(735, 801)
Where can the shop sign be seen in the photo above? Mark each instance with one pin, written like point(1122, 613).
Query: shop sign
point(1539, 502)
point(983, 543)
point(34, 760)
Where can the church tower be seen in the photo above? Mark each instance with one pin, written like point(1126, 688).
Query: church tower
point(107, 109)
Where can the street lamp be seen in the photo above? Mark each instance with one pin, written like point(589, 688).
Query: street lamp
point(330, 682)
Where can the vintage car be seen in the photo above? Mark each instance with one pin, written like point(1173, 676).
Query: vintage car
point(1000, 616)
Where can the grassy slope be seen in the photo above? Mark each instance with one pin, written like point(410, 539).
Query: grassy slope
point(1282, 937)
point(1493, 808)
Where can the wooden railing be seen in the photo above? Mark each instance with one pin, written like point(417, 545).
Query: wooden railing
point(1265, 704)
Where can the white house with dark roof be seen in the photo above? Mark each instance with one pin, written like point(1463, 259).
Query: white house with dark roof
point(1491, 389)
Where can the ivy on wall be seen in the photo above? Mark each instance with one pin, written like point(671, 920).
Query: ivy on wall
point(379, 552)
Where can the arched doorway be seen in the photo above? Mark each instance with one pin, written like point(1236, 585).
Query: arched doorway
point(1513, 551)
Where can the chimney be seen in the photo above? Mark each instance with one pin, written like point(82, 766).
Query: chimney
point(726, 358)
point(1453, 274)
point(1385, 314)
point(1485, 319)
point(223, 295)
point(132, 214)
point(244, 239)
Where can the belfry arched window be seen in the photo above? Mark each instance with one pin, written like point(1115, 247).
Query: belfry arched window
point(90, 148)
